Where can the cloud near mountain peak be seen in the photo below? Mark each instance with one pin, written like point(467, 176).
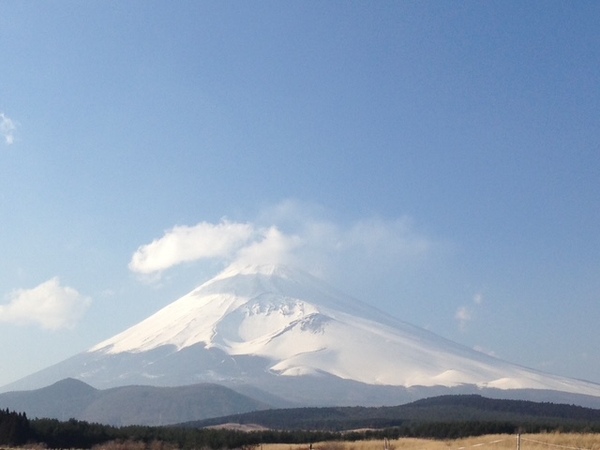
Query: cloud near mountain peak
point(190, 243)
point(304, 241)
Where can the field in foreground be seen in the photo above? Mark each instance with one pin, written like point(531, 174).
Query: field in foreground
point(554, 441)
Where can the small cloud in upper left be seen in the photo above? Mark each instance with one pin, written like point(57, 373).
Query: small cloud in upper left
point(7, 128)
point(49, 305)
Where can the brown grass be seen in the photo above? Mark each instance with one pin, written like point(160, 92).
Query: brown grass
point(134, 445)
point(544, 441)
point(547, 441)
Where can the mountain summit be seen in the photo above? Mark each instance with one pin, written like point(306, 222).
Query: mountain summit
point(271, 328)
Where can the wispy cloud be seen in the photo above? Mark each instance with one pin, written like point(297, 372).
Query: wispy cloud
point(290, 233)
point(273, 247)
point(48, 305)
point(466, 313)
point(7, 128)
point(485, 350)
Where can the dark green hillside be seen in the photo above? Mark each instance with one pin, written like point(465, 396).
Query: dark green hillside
point(473, 406)
point(328, 418)
point(445, 409)
point(439, 418)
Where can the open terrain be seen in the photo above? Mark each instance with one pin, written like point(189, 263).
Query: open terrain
point(589, 441)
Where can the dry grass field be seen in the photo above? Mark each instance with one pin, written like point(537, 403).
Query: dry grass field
point(549, 441)
point(545, 441)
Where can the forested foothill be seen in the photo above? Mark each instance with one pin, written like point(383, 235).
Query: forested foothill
point(447, 409)
point(438, 418)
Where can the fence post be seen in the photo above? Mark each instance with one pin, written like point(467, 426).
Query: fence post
point(518, 441)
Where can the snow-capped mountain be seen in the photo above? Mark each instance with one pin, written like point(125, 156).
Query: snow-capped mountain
point(274, 329)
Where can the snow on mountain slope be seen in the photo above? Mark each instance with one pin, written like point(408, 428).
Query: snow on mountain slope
point(304, 327)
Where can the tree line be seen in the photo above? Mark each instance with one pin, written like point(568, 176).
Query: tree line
point(16, 429)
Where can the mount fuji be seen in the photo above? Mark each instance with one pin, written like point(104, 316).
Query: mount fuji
point(285, 337)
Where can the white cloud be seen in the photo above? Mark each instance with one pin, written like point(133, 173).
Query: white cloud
point(7, 128)
point(48, 305)
point(376, 237)
point(274, 248)
point(374, 247)
point(464, 315)
point(184, 244)
point(294, 234)
point(485, 350)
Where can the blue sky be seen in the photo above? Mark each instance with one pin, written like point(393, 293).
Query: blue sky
point(440, 160)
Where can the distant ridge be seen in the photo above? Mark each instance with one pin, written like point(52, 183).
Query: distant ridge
point(63, 400)
point(128, 405)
